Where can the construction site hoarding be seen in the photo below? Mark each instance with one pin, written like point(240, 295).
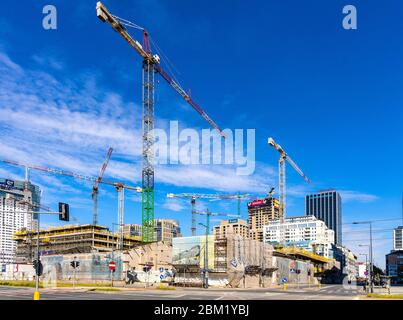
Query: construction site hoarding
point(92, 266)
point(190, 251)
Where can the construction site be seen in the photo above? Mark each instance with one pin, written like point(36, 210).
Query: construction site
point(235, 256)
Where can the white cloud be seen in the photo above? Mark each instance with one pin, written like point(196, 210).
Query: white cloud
point(355, 196)
point(173, 205)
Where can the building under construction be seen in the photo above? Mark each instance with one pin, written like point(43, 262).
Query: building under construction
point(260, 212)
point(70, 239)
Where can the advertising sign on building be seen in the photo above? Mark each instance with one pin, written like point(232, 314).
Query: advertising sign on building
point(258, 203)
point(190, 251)
point(7, 184)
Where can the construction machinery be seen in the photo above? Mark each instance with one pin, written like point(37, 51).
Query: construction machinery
point(69, 174)
point(96, 185)
point(208, 214)
point(282, 186)
point(151, 65)
point(194, 196)
point(118, 185)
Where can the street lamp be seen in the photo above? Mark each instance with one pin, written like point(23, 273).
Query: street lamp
point(371, 276)
point(205, 273)
point(366, 258)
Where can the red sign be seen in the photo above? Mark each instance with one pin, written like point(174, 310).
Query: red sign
point(257, 203)
point(112, 265)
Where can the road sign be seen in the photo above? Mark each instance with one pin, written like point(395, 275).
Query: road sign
point(112, 265)
point(161, 276)
point(161, 270)
point(284, 280)
point(366, 273)
point(3, 268)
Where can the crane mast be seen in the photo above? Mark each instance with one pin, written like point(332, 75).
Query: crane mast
point(282, 177)
point(96, 186)
point(150, 66)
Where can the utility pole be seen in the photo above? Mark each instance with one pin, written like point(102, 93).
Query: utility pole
point(371, 257)
point(205, 271)
point(36, 293)
point(150, 67)
point(371, 261)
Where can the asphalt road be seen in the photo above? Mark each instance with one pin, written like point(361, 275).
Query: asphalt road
point(328, 292)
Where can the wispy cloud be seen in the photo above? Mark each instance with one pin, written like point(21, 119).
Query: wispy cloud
point(174, 205)
point(356, 196)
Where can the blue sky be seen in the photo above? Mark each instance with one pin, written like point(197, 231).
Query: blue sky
point(331, 97)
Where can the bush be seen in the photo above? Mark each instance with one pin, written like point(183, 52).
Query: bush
point(16, 283)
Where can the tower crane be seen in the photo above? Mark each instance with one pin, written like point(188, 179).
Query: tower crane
point(118, 185)
point(150, 66)
point(282, 189)
point(194, 196)
point(69, 174)
point(208, 214)
point(95, 188)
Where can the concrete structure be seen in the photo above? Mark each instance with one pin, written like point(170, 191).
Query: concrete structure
point(230, 228)
point(326, 206)
point(133, 230)
point(348, 261)
point(14, 216)
point(70, 239)
point(306, 232)
point(165, 230)
point(394, 266)
point(398, 238)
point(260, 212)
point(156, 255)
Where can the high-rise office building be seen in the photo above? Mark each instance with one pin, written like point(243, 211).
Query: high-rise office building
point(16, 204)
point(260, 212)
point(398, 238)
point(326, 206)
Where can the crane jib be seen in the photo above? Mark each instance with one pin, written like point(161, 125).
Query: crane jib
point(184, 95)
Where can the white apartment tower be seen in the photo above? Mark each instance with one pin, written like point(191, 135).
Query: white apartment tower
point(306, 232)
point(14, 216)
point(17, 198)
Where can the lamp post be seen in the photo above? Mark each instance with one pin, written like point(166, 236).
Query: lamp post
point(366, 261)
point(205, 273)
point(371, 275)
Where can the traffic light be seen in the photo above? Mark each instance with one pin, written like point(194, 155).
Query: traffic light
point(38, 267)
point(64, 212)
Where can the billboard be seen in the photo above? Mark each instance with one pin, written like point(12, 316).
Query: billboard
point(190, 251)
point(258, 203)
point(7, 184)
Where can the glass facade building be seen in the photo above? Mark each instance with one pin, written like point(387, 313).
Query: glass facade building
point(326, 206)
point(398, 238)
point(16, 187)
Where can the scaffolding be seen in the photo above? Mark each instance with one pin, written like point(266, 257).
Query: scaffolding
point(72, 239)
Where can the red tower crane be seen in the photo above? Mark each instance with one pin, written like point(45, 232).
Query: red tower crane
point(151, 65)
point(96, 185)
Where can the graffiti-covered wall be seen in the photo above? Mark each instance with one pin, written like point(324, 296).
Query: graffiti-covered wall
point(92, 266)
